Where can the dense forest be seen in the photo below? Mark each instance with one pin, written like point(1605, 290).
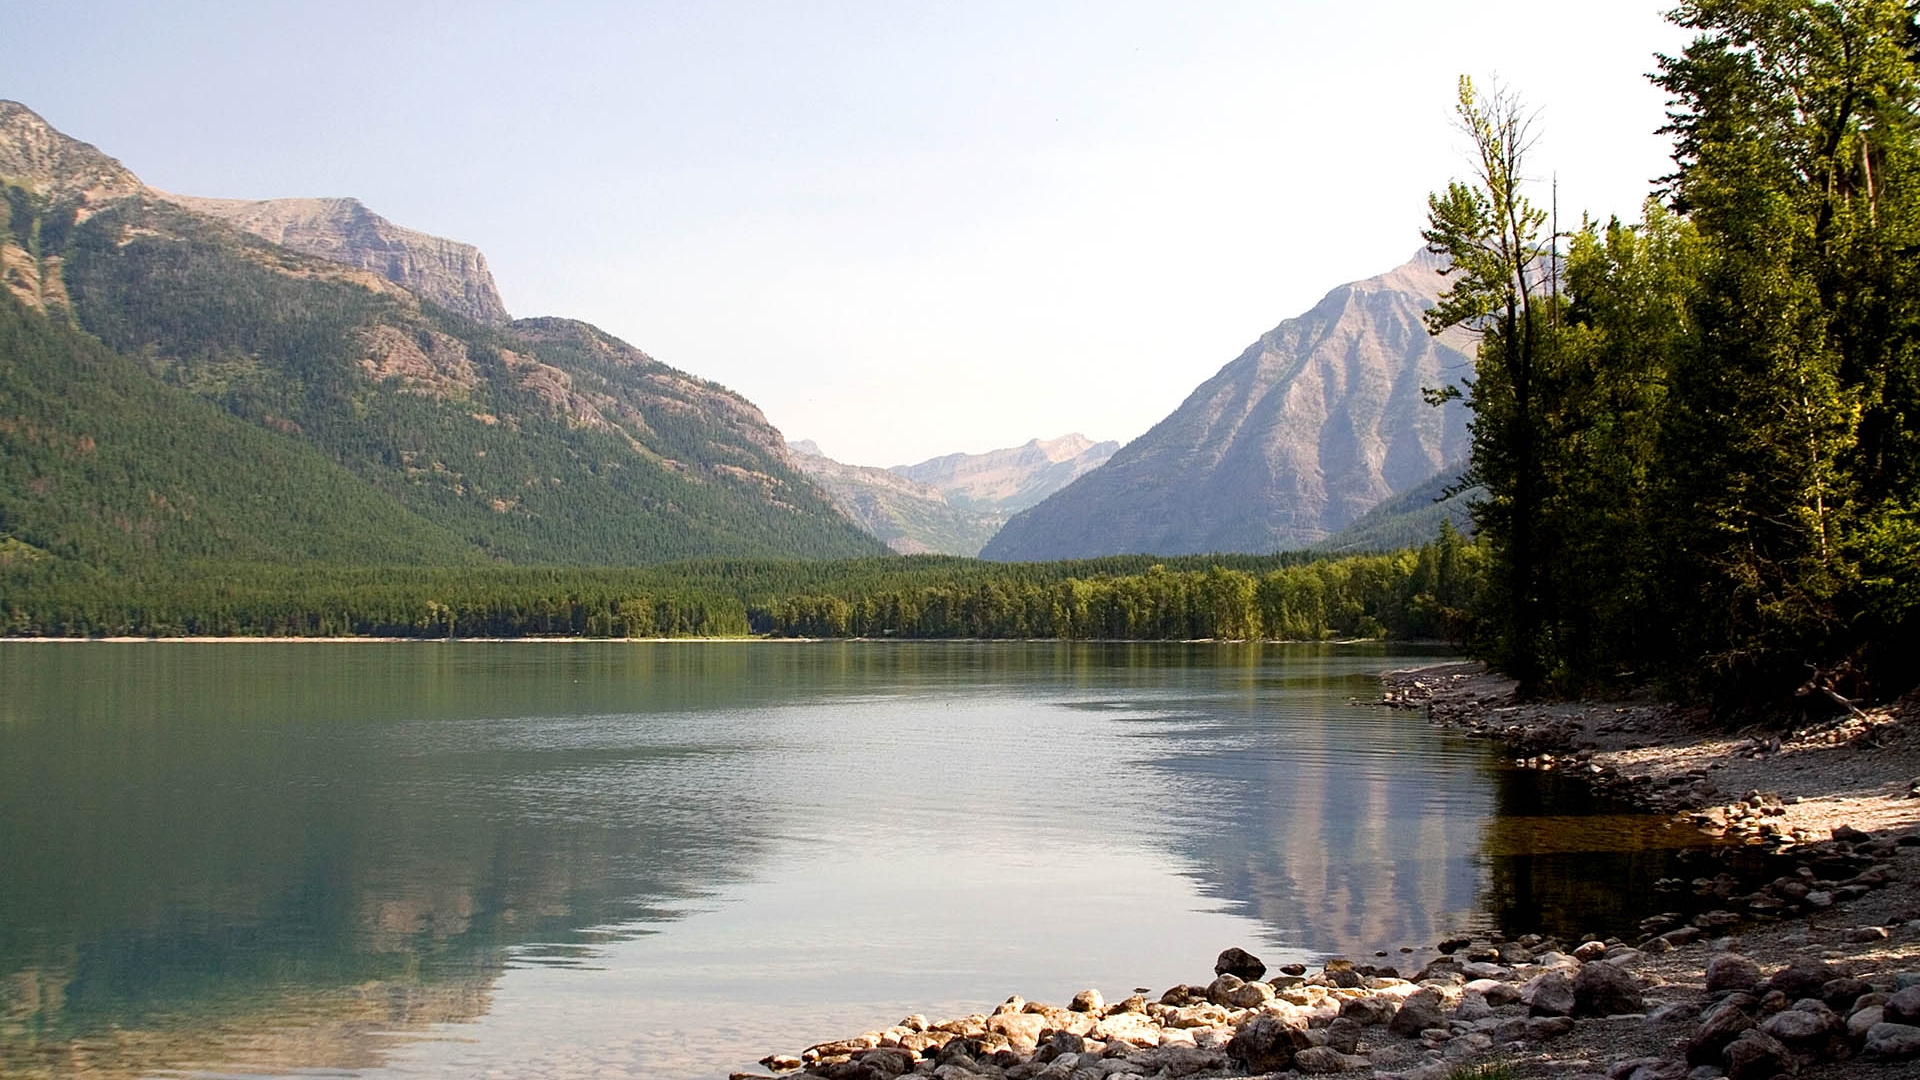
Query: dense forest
point(1422, 593)
point(1700, 432)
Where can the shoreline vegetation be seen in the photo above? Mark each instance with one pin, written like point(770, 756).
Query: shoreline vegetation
point(1795, 951)
point(1422, 593)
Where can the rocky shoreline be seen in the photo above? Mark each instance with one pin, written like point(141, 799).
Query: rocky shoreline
point(1799, 955)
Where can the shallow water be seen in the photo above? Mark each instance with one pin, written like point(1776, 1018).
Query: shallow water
point(665, 860)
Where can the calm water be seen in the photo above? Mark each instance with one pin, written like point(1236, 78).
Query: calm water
point(665, 860)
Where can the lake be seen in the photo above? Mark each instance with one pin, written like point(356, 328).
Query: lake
point(583, 859)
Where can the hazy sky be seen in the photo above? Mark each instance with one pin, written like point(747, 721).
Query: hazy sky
point(902, 228)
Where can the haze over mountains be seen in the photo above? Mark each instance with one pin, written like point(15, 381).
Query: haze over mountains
point(1313, 425)
point(951, 505)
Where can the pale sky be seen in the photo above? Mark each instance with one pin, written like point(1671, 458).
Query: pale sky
point(902, 228)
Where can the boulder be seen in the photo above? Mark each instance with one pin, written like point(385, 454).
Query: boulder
point(1472, 1007)
point(1421, 1010)
point(1731, 971)
point(1896, 1041)
point(1239, 963)
point(1590, 951)
point(1368, 1011)
point(887, 1061)
point(1021, 1029)
point(1542, 1028)
point(1497, 993)
point(1088, 1001)
point(1343, 1034)
point(1904, 1006)
point(1840, 994)
point(1755, 1055)
point(1266, 1044)
point(1551, 995)
point(1188, 1060)
point(1719, 1026)
point(1802, 1027)
point(1242, 995)
point(1802, 978)
point(1863, 1021)
point(1132, 1028)
point(1605, 990)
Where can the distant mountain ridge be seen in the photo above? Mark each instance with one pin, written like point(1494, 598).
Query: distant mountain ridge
point(950, 505)
point(1008, 481)
point(1315, 423)
point(540, 440)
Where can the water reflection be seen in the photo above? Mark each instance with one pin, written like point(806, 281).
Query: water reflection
point(265, 858)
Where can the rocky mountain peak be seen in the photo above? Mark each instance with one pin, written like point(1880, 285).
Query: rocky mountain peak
point(447, 272)
point(36, 156)
point(1319, 420)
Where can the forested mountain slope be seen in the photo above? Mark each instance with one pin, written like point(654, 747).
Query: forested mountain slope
point(102, 464)
point(1318, 421)
point(543, 440)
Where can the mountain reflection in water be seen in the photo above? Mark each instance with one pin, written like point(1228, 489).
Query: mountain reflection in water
point(667, 859)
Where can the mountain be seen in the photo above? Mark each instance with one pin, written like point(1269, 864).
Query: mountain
point(449, 273)
point(1008, 481)
point(539, 440)
point(909, 517)
point(1315, 423)
point(1410, 518)
point(950, 505)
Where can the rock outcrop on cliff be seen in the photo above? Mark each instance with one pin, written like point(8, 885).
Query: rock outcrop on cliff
point(447, 272)
point(1318, 421)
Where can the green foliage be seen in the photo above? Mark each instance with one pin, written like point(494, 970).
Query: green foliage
point(1411, 517)
point(1490, 234)
point(1423, 594)
point(1701, 449)
point(101, 464)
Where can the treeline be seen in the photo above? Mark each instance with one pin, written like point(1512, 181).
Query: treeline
point(1413, 594)
point(202, 600)
point(1700, 433)
point(1426, 593)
